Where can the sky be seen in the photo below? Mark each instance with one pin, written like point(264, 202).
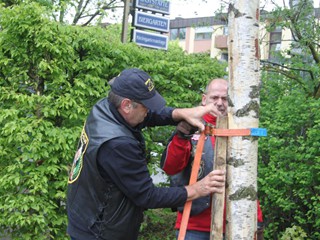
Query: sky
point(200, 8)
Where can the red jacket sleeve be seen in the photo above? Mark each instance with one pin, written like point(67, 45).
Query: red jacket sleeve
point(177, 155)
point(260, 216)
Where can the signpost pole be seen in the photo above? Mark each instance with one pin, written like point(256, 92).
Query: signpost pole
point(126, 10)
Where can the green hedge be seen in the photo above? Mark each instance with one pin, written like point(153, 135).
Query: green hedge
point(50, 77)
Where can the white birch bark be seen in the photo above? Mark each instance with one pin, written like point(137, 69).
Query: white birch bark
point(243, 112)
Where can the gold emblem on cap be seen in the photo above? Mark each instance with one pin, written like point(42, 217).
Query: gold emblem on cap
point(149, 84)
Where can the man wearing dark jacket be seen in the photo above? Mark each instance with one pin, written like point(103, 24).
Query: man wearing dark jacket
point(109, 183)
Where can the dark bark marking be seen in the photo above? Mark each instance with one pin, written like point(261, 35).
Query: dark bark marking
point(244, 193)
point(236, 12)
point(235, 162)
point(251, 106)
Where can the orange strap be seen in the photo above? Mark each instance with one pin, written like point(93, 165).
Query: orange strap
point(230, 132)
point(193, 179)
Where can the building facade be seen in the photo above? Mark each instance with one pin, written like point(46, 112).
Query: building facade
point(210, 35)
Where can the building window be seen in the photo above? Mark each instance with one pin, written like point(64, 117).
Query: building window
point(275, 42)
point(203, 33)
point(225, 30)
point(178, 33)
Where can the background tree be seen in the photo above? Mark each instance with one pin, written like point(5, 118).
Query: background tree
point(85, 12)
point(300, 62)
point(290, 155)
point(78, 12)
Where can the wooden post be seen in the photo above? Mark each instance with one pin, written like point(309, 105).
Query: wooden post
point(218, 200)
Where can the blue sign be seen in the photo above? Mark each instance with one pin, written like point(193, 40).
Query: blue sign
point(161, 6)
point(151, 40)
point(259, 132)
point(150, 21)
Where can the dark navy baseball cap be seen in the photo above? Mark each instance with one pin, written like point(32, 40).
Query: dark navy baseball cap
point(136, 84)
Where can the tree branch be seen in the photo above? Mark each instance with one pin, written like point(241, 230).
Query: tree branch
point(282, 69)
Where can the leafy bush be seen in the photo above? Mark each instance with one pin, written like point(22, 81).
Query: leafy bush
point(50, 77)
point(158, 224)
point(294, 233)
point(289, 163)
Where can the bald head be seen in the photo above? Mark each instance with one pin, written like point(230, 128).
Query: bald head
point(216, 83)
point(217, 93)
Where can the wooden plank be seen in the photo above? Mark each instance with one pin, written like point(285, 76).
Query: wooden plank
point(218, 200)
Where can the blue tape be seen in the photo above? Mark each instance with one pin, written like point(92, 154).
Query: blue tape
point(258, 132)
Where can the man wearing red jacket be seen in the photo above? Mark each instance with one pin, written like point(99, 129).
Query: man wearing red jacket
point(177, 159)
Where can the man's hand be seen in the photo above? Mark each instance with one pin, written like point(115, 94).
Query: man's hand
point(185, 130)
point(194, 115)
point(214, 182)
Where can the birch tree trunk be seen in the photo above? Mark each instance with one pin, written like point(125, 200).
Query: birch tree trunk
point(243, 112)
